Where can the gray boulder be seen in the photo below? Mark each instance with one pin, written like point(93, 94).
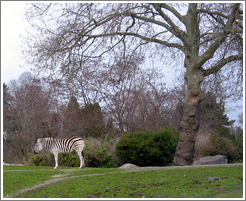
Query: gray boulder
point(128, 166)
point(218, 159)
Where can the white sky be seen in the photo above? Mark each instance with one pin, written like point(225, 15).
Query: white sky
point(12, 27)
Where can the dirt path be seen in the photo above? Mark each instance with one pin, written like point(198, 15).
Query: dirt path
point(62, 177)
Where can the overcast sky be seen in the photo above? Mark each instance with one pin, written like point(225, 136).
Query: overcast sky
point(12, 27)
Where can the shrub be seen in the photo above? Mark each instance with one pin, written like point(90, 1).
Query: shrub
point(238, 156)
point(100, 153)
point(42, 159)
point(69, 159)
point(224, 143)
point(145, 148)
point(46, 158)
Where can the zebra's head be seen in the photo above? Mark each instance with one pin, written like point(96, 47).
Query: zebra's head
point(38, 145)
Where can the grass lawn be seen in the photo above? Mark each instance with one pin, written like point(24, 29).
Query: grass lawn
point(116, 183)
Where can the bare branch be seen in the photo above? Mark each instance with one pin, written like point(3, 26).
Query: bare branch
point(216, 44)
point(145, 38)
point(212, 13)
point(174, 11)
point(221, 64)
point(174, 29)
point(154, 21)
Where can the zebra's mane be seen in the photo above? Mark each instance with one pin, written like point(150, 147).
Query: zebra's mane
point(52, 138)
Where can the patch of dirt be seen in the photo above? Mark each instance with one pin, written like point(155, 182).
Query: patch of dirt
point(12, 164)
point(59, 175)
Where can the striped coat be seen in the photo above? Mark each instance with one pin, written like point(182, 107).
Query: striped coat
point(56, 146)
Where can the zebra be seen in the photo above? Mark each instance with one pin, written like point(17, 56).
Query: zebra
point(56, 146)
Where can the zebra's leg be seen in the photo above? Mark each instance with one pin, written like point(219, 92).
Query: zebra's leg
point(81, 158)
point(56, 161)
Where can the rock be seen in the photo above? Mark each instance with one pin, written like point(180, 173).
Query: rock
point(211, 179)
point(128, 166)
point(218, 159)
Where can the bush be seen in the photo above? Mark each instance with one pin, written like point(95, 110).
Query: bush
point(238, 156)
point(224, 143)
point(69, 159)
point(100, 153)
point(46, 158)
point(42, 159)
point(145, 148)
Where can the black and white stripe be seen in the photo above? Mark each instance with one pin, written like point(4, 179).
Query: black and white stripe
point(56, 146)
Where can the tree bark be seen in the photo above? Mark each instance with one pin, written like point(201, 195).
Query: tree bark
point(194, 75)
point(189, 125)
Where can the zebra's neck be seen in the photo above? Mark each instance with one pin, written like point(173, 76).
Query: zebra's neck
point(49, 143)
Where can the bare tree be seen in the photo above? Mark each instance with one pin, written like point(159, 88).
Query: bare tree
point(30, 111)
point(209, 36)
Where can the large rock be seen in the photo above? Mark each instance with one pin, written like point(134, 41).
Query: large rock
point(218, 159)
point(128, 166)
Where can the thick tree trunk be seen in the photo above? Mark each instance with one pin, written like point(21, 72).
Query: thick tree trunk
point(194, 75)
point(188, 131)
point(189, 125)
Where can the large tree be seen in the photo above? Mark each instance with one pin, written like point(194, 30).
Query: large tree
point(69, 38)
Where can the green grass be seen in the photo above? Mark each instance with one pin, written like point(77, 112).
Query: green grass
point(16, 178)
point(116, 183)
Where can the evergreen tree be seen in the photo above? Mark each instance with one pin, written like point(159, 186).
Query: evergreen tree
point(212, 113)
point(93, 120)
point(212, 117)
point(73, 118)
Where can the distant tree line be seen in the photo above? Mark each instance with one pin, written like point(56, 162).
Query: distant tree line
point(102, 73)
point(35, 108)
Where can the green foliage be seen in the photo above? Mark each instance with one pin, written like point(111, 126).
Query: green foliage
point(93, 120)
point(73, 105)
point(223, 142)
point(145, 148)
point(100, 153)
point(47, 159)
point(211, 113)
point(41, 159)
point(84, 121)
point(238, 156)
point(69, 159)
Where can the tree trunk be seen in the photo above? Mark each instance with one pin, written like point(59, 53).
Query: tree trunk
point(188, 131)
point(189, 125)
point(194, 75)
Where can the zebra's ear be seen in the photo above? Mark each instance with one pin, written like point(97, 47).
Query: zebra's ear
point(38, 140)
